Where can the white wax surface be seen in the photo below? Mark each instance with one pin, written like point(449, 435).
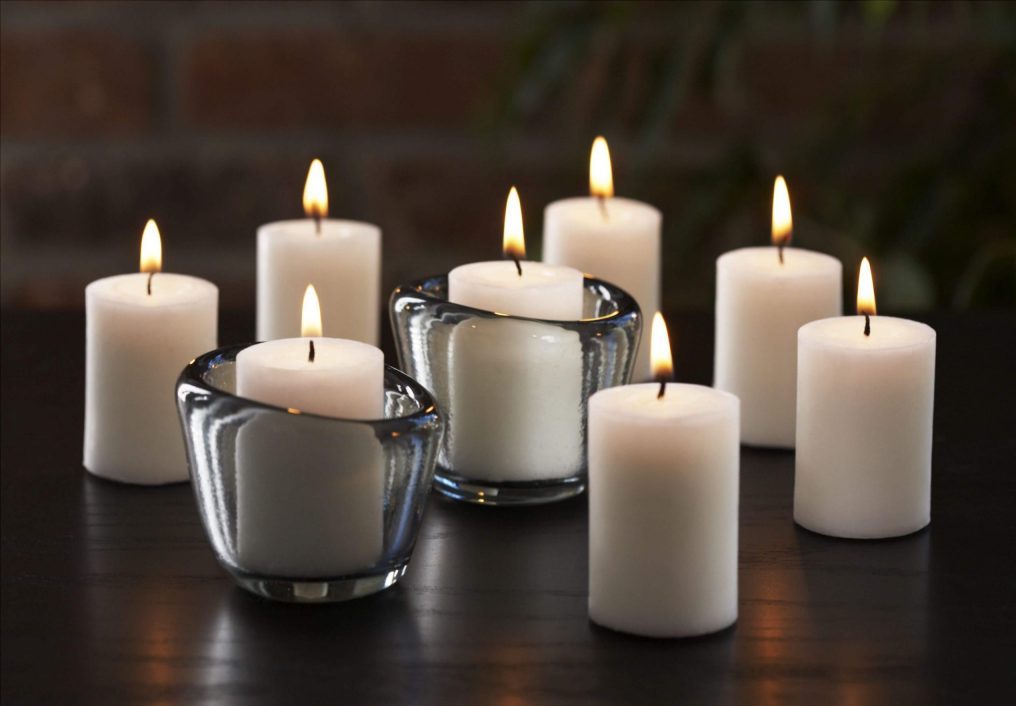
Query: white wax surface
point(343, 263)
point(310, 498)
point(136, 345)
point(623, 249)
point(516, 400)
point(310, 493)
point(663, 498)
point(551, 292)
point(864, 427)
point(760, 305)
point(346, 378)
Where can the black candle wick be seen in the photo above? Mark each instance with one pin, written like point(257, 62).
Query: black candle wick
point(867, 325)
point(310, 352)
point(150, 276)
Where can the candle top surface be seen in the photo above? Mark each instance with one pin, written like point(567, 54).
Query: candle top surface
point(291, 354)
point(847, 332)
point(621, 213)
point(682, 402)
point(764, 261)
point(168, 289)
point(305, 229)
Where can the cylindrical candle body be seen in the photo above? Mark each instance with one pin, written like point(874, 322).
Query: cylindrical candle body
point(541, 292)
point(618, 242)
point(310, 500)
point(760, 305)
point(864, 427)
point(343, 262)
point(515, 386)
point(345, 379)
point(136, 344)
point(663, 498)
point(516, 400)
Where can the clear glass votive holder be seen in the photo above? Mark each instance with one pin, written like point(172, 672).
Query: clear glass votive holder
point(513, 390)
point(300, 507)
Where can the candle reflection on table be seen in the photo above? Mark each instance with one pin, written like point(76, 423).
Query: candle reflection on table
point(135, 611)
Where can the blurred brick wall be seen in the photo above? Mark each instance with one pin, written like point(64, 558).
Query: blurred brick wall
point(205, 116)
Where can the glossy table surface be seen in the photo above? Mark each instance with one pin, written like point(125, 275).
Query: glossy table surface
point(111, 594)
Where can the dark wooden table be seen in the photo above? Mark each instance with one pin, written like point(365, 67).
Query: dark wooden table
point(111, 594)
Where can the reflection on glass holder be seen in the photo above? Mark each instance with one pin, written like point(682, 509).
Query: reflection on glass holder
point(300, 507)
point(513, 390)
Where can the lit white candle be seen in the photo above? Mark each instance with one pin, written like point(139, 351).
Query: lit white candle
point(140, 331)
point(310, 497)
point(763, 296)
point(515, 386)
point(615, 239)
point(865, 402)
point(342, 257)
point(663, 496)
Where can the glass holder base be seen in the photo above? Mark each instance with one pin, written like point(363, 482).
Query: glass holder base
point(326, 591)
point(507, 493)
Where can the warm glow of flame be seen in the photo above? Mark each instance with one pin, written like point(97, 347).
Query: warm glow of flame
point(659, 351)
point(310, 319)
point(783, 222)
point(315, 191)
point(865, 290)
point(601, 176)
point(151, 248)
point(514, 243)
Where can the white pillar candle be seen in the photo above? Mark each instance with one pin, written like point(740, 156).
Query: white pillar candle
point(614, 239)
point(342, 258)
point(763, 296)
point(310, 498)
point(864, 425)
point(140, 331)
point(663, 498)
point(515, 386)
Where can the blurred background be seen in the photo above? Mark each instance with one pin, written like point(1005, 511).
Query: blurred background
point(894, 123)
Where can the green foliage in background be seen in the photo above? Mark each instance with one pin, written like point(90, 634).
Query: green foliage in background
point(914, 166)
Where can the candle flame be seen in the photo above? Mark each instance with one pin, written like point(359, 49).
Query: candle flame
point(310, 319)
point(783, 222)
point(601, 176)
point(151, 248)
point(865, 290)
point(315, 191)
point(661, 360)
point(514, 243)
